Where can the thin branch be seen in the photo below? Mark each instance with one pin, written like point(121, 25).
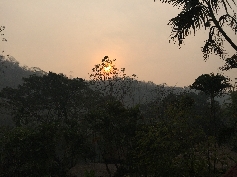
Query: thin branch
point(219, 27)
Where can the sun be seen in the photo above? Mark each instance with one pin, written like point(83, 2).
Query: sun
point(107, 68)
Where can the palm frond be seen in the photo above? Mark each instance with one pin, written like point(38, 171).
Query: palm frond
point(230, 63)
point(192, 19)
point(229, 20)
point(214, 44)
point(217, 4)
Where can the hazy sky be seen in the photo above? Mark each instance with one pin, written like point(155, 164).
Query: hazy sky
point(71, 36)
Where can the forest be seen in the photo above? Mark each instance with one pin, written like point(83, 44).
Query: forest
point(52, 125)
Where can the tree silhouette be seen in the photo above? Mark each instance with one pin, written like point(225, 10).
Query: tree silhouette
point(212, 85)
point(230, 63)
point(205, 14)
point(49, 130)
point(111, 81)
point(51, 97)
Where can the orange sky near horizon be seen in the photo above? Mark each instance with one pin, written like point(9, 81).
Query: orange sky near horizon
point(72, 36)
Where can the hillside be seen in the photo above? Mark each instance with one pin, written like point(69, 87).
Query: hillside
point(131, 91)
point(11, 73)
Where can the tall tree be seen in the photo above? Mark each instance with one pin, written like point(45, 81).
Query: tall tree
point(212, 15)
point(110, 80)
point(212, 85)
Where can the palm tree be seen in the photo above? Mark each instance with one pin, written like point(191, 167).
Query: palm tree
point(207, 14)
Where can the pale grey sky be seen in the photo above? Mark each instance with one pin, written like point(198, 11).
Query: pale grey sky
point(74, 35)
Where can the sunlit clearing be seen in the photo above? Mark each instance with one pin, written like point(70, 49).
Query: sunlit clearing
point(107, 69)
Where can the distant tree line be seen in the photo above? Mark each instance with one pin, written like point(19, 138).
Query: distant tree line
point(59, 122)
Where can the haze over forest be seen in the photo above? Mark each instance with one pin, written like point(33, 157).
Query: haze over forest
point(70, 37)
point(108, 89)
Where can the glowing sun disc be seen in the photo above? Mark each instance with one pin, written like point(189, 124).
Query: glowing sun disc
point(107, 69)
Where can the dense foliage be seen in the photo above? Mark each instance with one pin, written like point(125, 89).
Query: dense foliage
point(60, 122)
point(211, 15)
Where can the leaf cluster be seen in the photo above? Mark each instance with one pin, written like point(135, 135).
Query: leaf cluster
point(211, 84)
point(210, 15)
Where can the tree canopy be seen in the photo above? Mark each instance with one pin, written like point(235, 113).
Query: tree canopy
point(211, 84)
point(49, 97)
point(110, 80)
point(212, 15)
